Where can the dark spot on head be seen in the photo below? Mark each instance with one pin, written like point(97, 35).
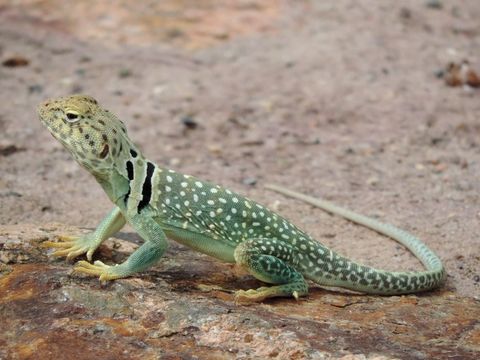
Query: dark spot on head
point(81, 130)
point(115, 141)
point(114, 131)
point(91, 143)
point(87, 136)
point(121, 148)
point(89, 99)
point(133, 153)
point(104, 137)
point(101, 122)
point(104, 152)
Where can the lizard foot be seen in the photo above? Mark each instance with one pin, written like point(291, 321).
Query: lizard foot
point(73, 246)
point(254, 295)
point(98, 268)
point(262, 293)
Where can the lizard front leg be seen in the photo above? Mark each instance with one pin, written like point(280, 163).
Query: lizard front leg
point(73, 246)
point(144, 257)
point(270, 260)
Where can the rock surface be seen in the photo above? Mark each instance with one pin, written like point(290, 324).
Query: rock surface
point(184, 309)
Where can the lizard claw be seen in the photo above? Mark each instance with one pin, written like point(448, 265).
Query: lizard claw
point(98, 268)
point(251, 295)
point(73, 246)
point(262, 293)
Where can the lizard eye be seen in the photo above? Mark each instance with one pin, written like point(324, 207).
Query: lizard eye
point(72, 116)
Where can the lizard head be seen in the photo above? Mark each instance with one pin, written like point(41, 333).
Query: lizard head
point(94, 136)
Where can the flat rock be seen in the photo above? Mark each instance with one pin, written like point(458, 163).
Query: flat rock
point(184, 309)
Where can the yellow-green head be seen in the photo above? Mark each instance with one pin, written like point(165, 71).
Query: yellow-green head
point(93, 135)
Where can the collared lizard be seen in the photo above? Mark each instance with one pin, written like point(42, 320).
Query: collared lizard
point(160, 203)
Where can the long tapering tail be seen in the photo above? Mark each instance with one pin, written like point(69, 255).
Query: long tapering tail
point(371, 280)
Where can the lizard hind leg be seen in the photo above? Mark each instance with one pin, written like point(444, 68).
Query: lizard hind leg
point(269, 260)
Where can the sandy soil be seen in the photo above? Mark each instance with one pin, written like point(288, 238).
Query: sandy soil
point(340, 99)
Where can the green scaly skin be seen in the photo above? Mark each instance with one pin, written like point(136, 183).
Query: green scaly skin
point(160, 203)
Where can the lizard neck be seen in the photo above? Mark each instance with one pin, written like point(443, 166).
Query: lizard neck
point(119, 178)
point(115, 185)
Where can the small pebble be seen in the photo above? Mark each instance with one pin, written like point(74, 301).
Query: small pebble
point(15, 61)
point(9, 149)
point(159, 89)
point(174, 161)
point(80, 72)
point(440, 168)
point(124, 73)
point(77, 89)
point(373, 180)
point(99, 328)
point(35, 89)
point(214, 149)
point(405, 13)
point(439, 73)
point(249, 181)
point(434, 4)
point(85, 59)
point(189, 122)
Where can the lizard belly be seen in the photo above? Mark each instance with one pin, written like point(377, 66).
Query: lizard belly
point(214, 247)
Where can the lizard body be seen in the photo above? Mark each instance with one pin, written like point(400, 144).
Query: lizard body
point(160, 203)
